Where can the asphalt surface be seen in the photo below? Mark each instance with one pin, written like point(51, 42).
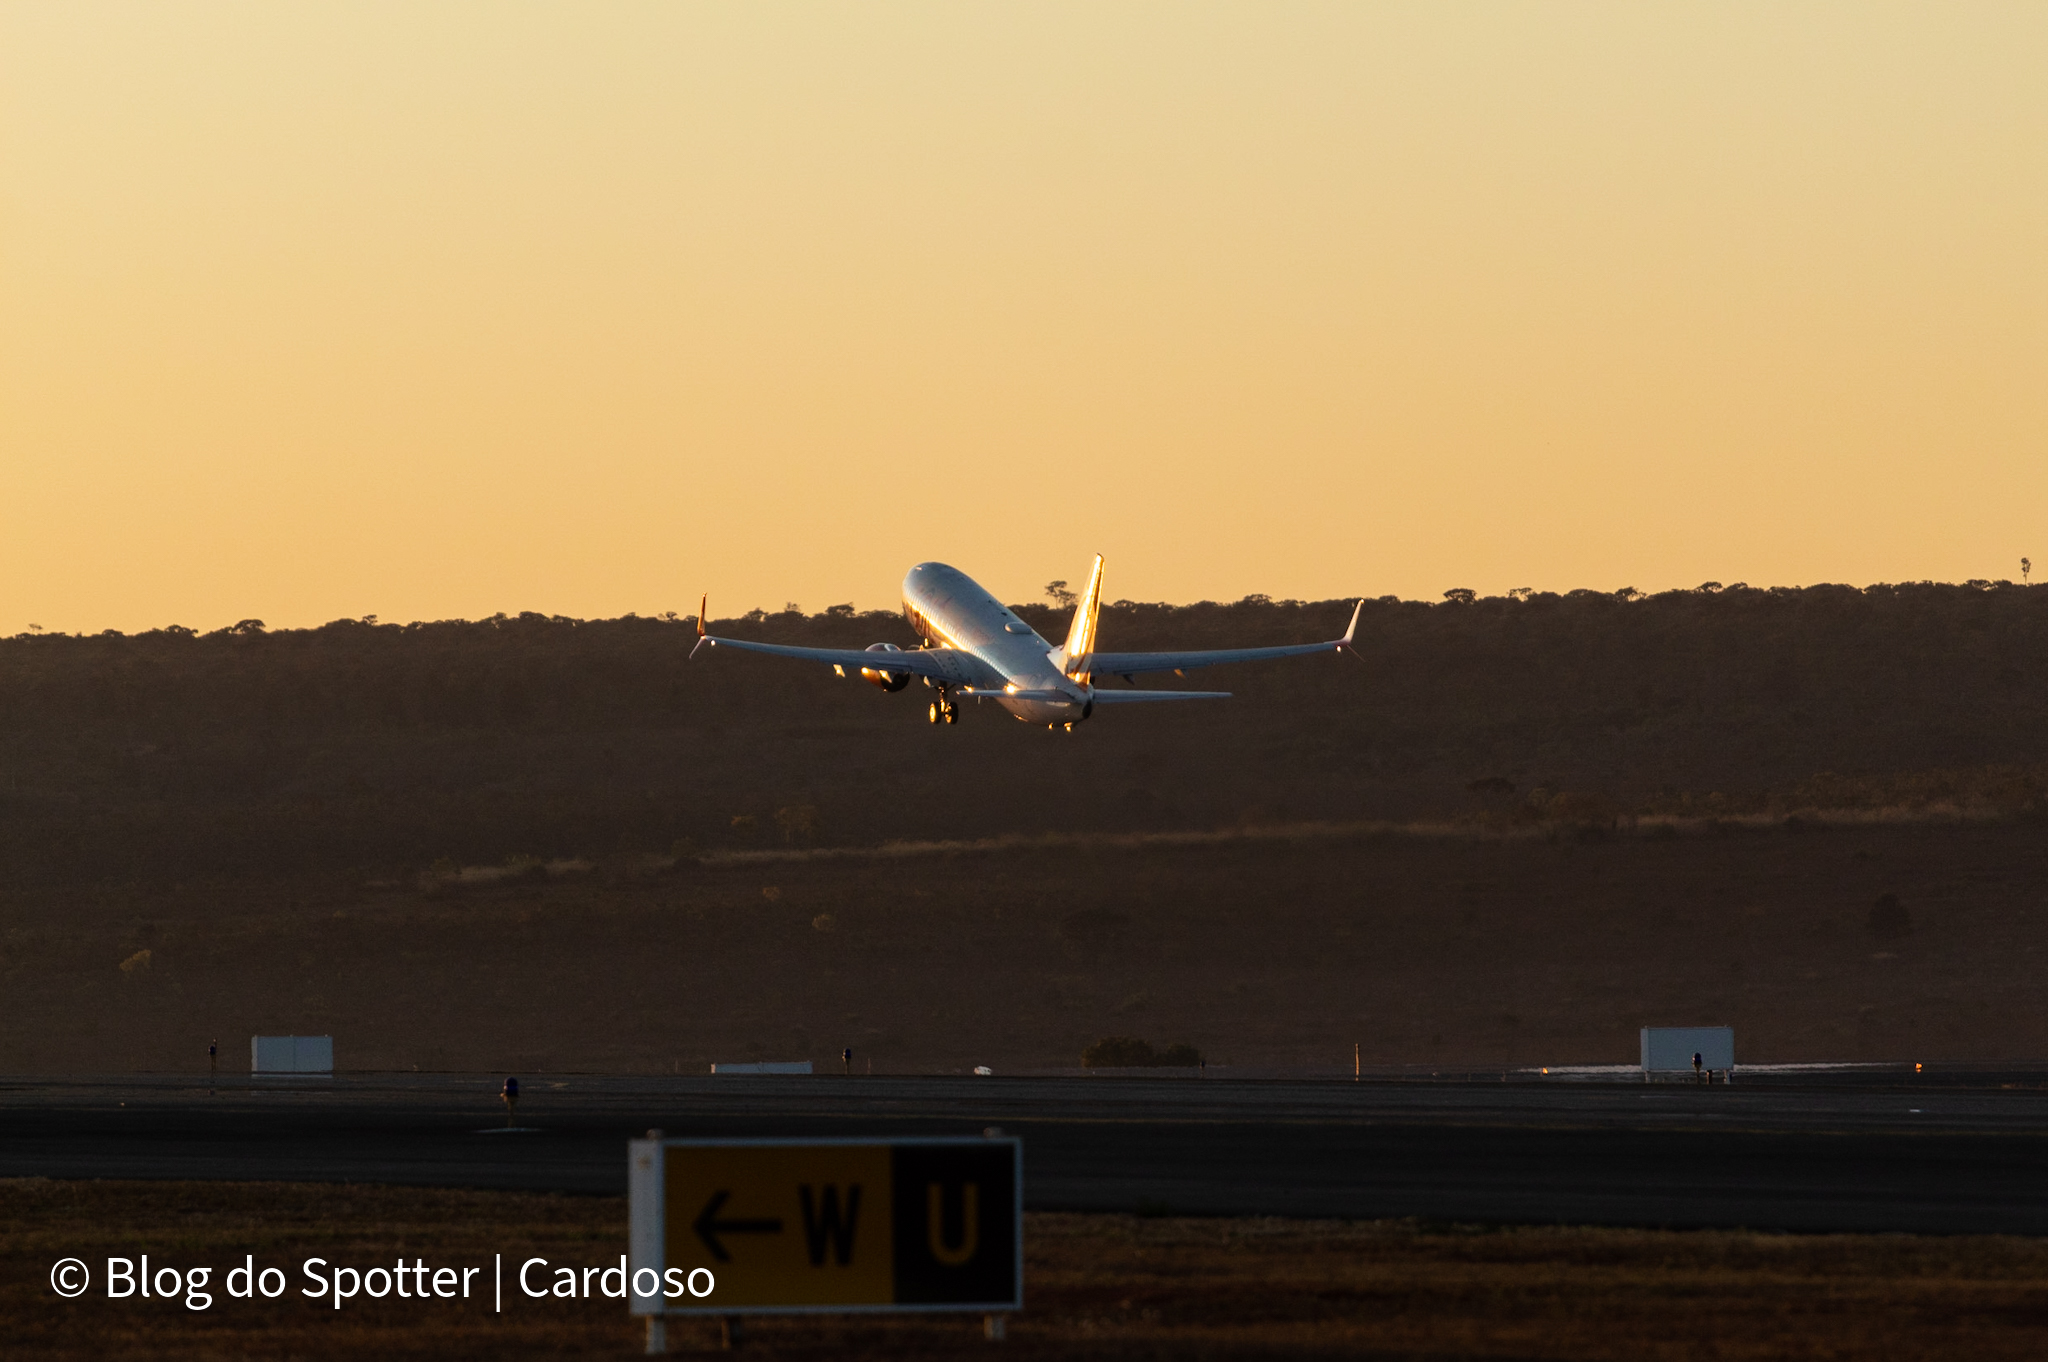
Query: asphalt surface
point(1870, 1152)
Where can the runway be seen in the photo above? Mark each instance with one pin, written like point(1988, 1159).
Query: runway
point(1798, 1153)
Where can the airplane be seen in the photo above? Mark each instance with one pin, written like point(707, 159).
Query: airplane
point(976, 648)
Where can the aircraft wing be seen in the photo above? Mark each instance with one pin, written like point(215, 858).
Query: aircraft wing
point(921, 662)
point(1130, 664)
point(1004, 693)
point(1109, 697)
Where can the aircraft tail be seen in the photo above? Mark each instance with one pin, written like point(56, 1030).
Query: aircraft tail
point(1081, 636)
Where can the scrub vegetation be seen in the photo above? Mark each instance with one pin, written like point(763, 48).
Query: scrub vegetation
point(378, 747)
point(1130, 1052)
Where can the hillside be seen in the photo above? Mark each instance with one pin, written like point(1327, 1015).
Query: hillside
point(1510, 831)
point(382, 749)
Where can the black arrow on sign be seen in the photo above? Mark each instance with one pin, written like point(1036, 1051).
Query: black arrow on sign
point(708, 1227)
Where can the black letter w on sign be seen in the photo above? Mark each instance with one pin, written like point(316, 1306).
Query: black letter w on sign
point(823, 1225)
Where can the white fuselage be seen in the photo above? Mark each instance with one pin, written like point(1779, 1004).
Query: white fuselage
point(975, 648)
point(988, 645)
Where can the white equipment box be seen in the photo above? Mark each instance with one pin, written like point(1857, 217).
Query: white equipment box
point(1667, 1049)
point(291, 1054)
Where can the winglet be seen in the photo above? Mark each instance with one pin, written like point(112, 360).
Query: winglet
point(1345, 642)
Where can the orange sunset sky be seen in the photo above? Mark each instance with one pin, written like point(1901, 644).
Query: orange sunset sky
point(436, 310)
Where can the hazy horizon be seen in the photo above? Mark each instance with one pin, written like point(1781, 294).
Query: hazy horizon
point(719, 613)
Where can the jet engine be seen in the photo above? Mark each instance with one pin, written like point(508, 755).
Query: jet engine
point(887, 680)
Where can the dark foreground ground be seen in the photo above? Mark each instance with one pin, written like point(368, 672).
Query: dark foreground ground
point(1261, 947)
point(1097, 1286)
point(1956, 1153)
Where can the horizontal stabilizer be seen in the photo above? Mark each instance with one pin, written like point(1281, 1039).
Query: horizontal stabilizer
point(1128, 697)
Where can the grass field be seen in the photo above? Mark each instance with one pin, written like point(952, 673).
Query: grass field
point(1466, 948)
point(1097, 1286)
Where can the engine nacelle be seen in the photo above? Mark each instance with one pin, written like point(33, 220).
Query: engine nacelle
point(887, 680)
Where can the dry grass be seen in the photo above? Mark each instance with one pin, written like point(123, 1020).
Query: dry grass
point(1280, 951)
point(1097, 1286)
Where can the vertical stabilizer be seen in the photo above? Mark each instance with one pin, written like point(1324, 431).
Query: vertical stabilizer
point(1081, 636)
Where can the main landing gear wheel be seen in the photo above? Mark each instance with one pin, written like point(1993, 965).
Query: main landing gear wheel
point(952, 714)
point(935, 711)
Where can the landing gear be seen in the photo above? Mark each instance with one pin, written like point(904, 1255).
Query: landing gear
point(944, 711)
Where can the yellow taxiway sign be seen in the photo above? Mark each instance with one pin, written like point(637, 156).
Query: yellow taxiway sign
point(771, 1226)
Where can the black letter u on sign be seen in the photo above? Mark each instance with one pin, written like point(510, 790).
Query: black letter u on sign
point(970, 1223)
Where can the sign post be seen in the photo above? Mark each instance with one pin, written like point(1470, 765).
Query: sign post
point(739, 1227)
